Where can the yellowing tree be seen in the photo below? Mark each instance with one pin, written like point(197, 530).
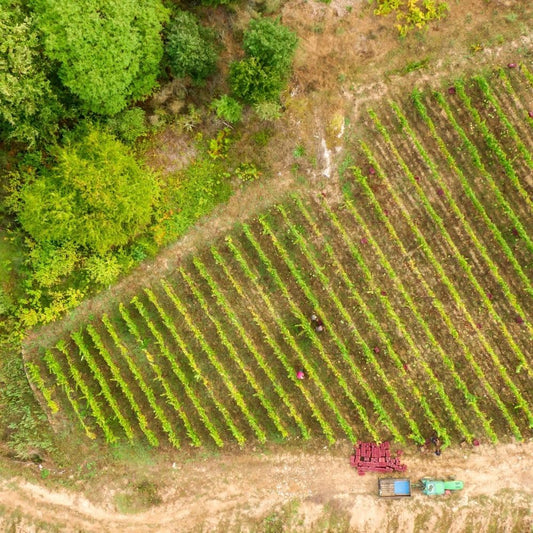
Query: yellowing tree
point(95, 197)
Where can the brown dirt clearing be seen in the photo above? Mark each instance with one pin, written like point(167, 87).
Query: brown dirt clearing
point(244, 489)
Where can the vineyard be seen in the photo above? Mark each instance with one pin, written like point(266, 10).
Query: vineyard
point(420, 271)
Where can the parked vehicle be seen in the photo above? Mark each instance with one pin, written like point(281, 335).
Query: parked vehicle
point(401, 487)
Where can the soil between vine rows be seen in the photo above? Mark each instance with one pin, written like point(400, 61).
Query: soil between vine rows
point(383, 365)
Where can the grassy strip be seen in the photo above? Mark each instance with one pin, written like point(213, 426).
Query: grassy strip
point(436, 302)
point(380, 410)
point(385, 339)
point(182, 379)
point(276, 348)
point(238, 361)
point(147, 390)
point(424, 245)
point(464, 263)
point(198, 375)
point(318, 271)
point(470, 398)
point(326, 428)
point(55, 369)
point(479, 245)
point(226, 308)
point(492, 143)
point(171, 397)
point(476, 159)
point(232, 389)
point(35, 377)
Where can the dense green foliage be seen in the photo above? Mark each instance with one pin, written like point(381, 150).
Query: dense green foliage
point(29, 109)
point(128, 125)
point(254, 82)
point(263, 73)
point(271, 43)
point(189, 47)
point(227, 108)
point(96, 196)
point(108, 51)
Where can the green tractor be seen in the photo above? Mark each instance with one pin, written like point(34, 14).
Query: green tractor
point(400, 487)
point(438, 487)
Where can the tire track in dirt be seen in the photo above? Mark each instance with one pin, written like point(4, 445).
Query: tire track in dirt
point(246, 488)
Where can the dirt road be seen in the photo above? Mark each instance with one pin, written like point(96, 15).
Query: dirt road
point(247, 489)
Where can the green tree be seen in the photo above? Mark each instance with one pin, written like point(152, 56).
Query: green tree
point(253, 82)
point(189, 47)
point(263, 73)
point(29, 109)
point(271, 43)
point(227, 108)
point(108, 51)
point(96, 196)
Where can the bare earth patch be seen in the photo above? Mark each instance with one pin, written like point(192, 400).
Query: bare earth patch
point(246, 489)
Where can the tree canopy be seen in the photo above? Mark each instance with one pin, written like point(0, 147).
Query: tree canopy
point(96, 196)
point(29, 109)
point(189, 47)
point(271, 43)
point(108, 51)
point(262, 74)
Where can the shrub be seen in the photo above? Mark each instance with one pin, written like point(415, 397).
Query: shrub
point(96, 195)
point(271, 43)
point(103, 270)
point(253, 82)
point(108, 52)
point(51, 263)
point(189, 47)
point(227, 108)
point(29, 109)
point(268, 110)
point(128, 125)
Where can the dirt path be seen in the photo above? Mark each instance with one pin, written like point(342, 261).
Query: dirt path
point(244, 489)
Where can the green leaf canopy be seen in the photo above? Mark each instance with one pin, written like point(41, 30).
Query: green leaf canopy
point(108, 51)
point(96, 196)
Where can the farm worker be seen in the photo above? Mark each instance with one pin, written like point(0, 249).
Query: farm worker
point(300, 374)
point(319, 325)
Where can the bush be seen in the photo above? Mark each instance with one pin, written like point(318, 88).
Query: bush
point(108, 52)
point(268, 110)
point(189, 47)
point(96, 196)
point(50, 263)
point(271, 43)
point(253, 82)
point(103, 270)
point(128, 125)
point(29, 109)
point(227, 108)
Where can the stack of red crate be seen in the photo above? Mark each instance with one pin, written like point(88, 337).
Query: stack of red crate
point(372, 457)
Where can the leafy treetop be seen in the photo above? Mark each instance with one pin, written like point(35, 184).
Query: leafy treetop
point(271, 43)
point(189, 47)
point(29, 110)
point(96, 196)
point(108, 50)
